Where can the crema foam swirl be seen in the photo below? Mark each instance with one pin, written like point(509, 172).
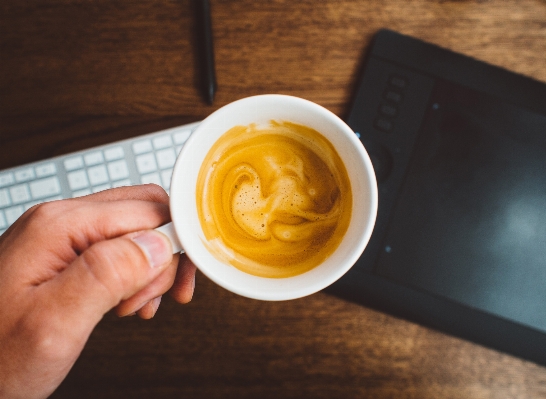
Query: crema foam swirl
point(273, 201)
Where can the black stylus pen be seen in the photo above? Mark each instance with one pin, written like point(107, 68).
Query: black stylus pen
point(206, 49)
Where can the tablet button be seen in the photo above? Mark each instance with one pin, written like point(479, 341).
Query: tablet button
point(393, 96)
point(383, 124)
point(388, 110)
point(398, 81)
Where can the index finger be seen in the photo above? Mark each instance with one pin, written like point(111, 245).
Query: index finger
point(144, 192)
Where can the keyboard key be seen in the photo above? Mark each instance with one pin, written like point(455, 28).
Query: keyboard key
point(44, 188)
point(166, 178)
point(6, 179)
point(111, 154)
point(4, 198)
point(146, 163)
point(46, 169)
point(162, 142)
point(77, 180)
point(166, 158)
point(93, 158)
point(19, 193)
point(122, 183)
point(81, 193)
point(3, 222)
point(97, 175)
point(73, 163)
point(101, 188)
point(25, 174)
point(181, 137)
point(13, 213)
point(118, 170)
point(151, 178)
point(142, 147)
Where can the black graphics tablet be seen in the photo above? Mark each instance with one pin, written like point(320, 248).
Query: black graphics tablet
point(459, 150)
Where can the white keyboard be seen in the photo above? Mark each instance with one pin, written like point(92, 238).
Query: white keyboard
point(143, 159)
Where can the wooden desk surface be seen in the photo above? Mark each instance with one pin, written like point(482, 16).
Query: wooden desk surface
point(75, 74)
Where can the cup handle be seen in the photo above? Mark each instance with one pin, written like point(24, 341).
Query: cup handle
point(168, 230)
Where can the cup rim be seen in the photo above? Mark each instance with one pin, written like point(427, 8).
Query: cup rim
point(255, 287)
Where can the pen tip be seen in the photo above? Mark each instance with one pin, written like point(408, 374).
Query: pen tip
point(210, 94)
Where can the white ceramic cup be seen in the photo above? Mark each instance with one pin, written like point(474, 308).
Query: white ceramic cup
point(185, 230)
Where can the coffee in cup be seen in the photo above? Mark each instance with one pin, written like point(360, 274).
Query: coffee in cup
point(272, 197)
point(275, 200)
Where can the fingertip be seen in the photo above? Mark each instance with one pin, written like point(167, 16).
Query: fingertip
point(184, 294)
point(146, 312)
point(149, 309)
point(184, 284)
point(156, 193)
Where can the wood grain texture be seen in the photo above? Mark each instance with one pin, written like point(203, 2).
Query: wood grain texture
point(75, 74)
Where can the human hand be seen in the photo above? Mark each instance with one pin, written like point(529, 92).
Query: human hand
point(64, 264)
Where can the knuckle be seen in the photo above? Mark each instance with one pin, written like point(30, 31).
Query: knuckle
point(42, 336)
point(51, 213)
point(47, 211)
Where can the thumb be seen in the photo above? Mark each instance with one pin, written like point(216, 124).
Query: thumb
point(108, 272)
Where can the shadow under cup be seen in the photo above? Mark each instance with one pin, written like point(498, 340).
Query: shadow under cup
point(261, 110)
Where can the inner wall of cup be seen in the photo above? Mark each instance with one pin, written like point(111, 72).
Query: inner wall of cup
point(244, 112)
